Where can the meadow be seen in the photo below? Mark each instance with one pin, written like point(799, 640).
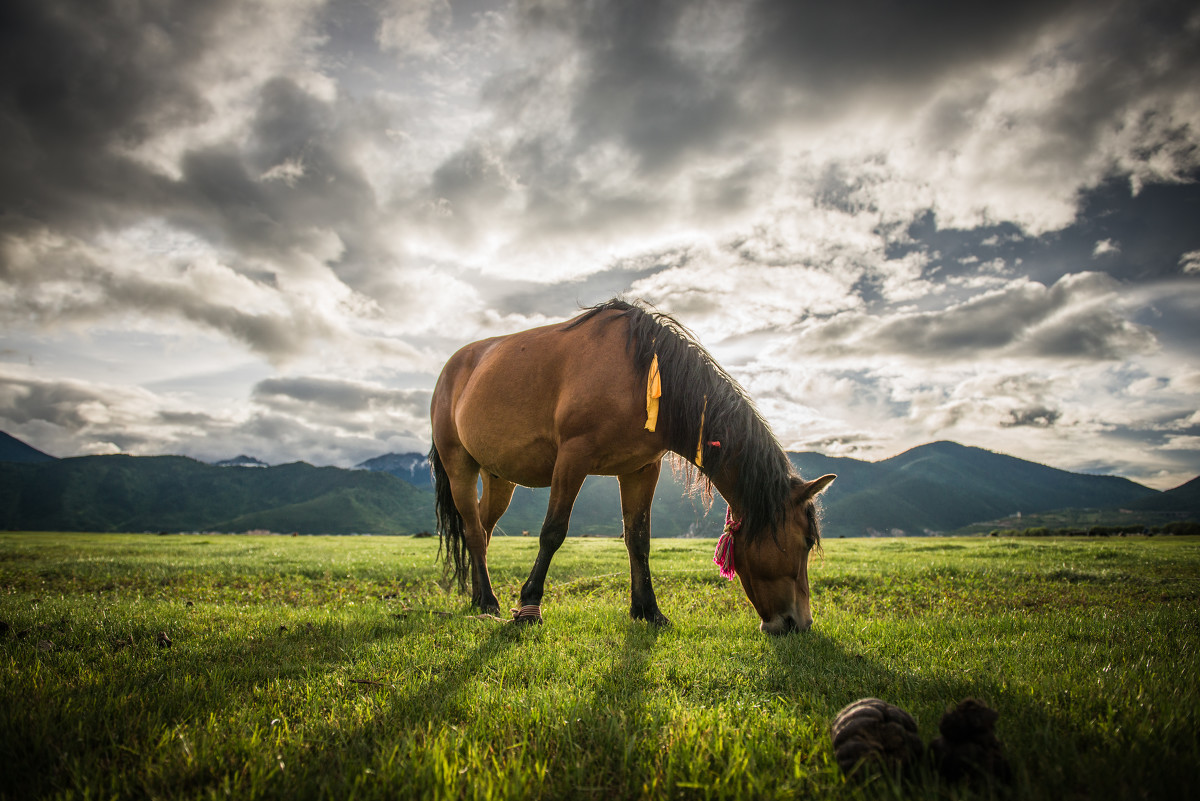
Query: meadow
point(230, 666)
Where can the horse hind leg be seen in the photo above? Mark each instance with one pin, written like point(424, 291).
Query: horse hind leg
point(637, 495)
point(497, 494)
point(462, 473)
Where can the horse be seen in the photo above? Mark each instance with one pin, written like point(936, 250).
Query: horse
point(611, 392)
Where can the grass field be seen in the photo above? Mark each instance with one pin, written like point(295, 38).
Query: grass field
point(317, 667)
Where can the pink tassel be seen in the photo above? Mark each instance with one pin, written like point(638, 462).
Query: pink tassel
point(723, 557)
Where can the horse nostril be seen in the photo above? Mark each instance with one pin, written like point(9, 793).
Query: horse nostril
point(792, 624)
point(784, 624)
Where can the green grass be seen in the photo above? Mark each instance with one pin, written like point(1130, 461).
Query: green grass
point(339, 667)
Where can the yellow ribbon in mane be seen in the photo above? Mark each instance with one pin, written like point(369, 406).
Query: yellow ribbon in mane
point(653, 393)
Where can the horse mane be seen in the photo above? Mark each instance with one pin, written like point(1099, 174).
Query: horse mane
point(694, 386)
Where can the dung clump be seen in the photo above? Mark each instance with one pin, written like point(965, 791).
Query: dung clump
point(968, 748)
point(871, 734)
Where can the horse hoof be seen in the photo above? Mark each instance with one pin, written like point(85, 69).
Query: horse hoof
point(531, 613)
point(655, 618)
point(486, 607)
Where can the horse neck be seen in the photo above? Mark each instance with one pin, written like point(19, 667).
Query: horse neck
point(725, 479)
point(730, 479)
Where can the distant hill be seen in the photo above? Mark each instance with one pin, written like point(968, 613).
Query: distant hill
point(14, 450)
point(411, 467)
point(943, 486)
point(934, 488)
point(174, 493)
point(241, 461)
point(1184, 498)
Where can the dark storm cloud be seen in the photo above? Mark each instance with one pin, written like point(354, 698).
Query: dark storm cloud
point(1073, 319)
point(639, 92)
point(61, 403)
point(315, 184)
point(83, 84)
point(773, 59)
point(835, 52)
point(810, 61)
point(1037, 416)
point(80, 81)
point(207, 297)
point(71, 417)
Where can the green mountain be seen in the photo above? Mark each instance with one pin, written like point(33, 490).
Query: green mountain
point(1183, 499)
point(933, 488)
point(943, 486)
point(13, 450)
point(174, 493)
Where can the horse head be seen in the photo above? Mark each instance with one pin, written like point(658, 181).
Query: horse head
point(773, 566)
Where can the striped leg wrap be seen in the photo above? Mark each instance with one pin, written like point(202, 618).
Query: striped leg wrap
point(531, 613)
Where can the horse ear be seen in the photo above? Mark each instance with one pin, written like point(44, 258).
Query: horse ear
point(811, 489)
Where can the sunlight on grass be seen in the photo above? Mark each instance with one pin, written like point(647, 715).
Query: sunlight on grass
point(335, 666)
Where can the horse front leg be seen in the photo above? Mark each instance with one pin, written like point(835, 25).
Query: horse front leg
point(564, 489)
point(637, 495)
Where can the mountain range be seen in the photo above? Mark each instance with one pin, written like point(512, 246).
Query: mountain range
point(175, 493)
point(934, 488)
point(412, 467)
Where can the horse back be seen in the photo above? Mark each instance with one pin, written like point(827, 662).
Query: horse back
point(513, 402)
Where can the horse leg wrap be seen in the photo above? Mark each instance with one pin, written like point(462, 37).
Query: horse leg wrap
point(531, 613)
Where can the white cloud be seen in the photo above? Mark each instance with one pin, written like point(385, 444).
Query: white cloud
point(413, 27)
point(319, 420)
point(1189, 262)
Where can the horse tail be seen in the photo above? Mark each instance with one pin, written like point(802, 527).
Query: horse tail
point(452, 545)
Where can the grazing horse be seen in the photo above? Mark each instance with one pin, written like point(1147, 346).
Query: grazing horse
point(610, 392)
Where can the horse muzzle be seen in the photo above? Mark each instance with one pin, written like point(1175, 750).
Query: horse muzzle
point(786, 623)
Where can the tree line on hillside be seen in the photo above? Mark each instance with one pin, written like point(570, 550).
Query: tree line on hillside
point(1178, 529)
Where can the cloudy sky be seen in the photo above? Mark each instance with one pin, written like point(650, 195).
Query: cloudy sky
point(261, 226)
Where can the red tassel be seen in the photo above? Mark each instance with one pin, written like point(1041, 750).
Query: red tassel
point(723, 557)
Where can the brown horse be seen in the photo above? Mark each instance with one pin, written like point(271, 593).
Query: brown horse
point(552, 405)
